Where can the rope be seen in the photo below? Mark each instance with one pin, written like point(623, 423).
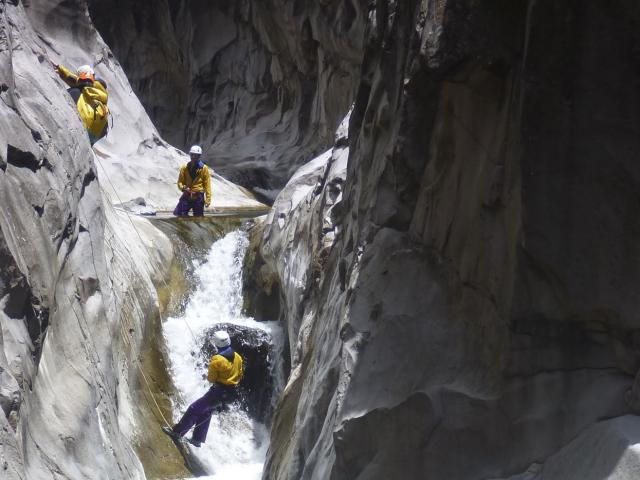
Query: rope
point(136, 361)
point(148, 392)
point(140, 238)
point(115, 191)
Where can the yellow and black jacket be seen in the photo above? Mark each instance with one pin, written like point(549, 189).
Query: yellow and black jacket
point(226, 367)
point(197, 179)
point(91, 100)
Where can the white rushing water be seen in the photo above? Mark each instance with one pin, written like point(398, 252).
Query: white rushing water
point(236, 445)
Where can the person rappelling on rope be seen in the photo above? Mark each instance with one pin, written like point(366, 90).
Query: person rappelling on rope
point(225, 373)
point(91, 97)
point(195, 183)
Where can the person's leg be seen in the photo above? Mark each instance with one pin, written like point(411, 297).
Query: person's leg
point(191, 205)
point(182, 209)
point(215, 395)
point(201, 429)
point(198, 206)
point(196, 413)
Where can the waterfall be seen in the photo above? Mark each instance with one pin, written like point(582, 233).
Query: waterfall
point(236, 444)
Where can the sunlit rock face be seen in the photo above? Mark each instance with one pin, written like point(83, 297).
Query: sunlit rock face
point(476, 316)
point(261, 85)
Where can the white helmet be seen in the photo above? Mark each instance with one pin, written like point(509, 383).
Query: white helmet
point(196, 149)
point(86, 72)
point(221, 339)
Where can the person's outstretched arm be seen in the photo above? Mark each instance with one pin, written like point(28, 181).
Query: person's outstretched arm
point(67, 75)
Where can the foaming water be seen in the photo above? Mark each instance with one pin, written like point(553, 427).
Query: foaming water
point(236, 444)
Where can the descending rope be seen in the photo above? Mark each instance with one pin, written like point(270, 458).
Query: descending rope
point(115, 191)
point(136, 361)
point(148, 390)
point(163, 280)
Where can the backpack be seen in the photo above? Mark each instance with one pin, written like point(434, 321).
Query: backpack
point(93, 109)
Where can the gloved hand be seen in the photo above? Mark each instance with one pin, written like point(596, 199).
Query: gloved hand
point(54, 65)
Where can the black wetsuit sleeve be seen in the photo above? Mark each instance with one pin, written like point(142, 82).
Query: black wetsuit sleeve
point(75, 93)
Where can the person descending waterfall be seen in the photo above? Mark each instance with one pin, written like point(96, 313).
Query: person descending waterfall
point(195, 183)
point(225, 373)
point(91, 97)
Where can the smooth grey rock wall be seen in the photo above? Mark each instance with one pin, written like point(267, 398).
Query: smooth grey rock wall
point(476, 313)
point(262, 85)
point(76, 282)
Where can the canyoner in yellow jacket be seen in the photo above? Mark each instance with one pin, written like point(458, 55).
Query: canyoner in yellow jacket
point(91, 97)
point(200, 182)
point(225, 373)
point(226, 367)
point(194, 181)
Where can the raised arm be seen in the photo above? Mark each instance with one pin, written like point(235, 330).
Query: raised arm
point(67, 75)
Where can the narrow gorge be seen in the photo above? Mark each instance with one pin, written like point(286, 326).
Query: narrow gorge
point(422, 239)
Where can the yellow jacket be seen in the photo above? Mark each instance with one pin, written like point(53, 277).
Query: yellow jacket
point(92, 103)
point(202, 182)
point(223, 371)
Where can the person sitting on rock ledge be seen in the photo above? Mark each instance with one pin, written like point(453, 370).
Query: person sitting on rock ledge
point(195, 183)
point(90, 95)
point(225, 372)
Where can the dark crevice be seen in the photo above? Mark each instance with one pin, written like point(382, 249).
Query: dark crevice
point(36, 135)
point(89, 177)
point(21, 159)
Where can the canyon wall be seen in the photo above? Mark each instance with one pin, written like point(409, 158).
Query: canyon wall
point(74, 289)
point(77, 277)
point(457, 274)
point(475, 316)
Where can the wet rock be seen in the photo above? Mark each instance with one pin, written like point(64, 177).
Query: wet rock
point(138, 206)
point(260, 285)
point(256, 347)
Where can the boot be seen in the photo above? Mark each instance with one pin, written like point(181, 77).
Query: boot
point(195, 443)
point(171, 433)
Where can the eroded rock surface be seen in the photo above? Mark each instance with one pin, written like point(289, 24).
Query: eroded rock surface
point(476, 312)
point(261, 84)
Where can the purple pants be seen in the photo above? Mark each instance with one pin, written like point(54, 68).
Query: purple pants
point(199, 412)
point(187, 203)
